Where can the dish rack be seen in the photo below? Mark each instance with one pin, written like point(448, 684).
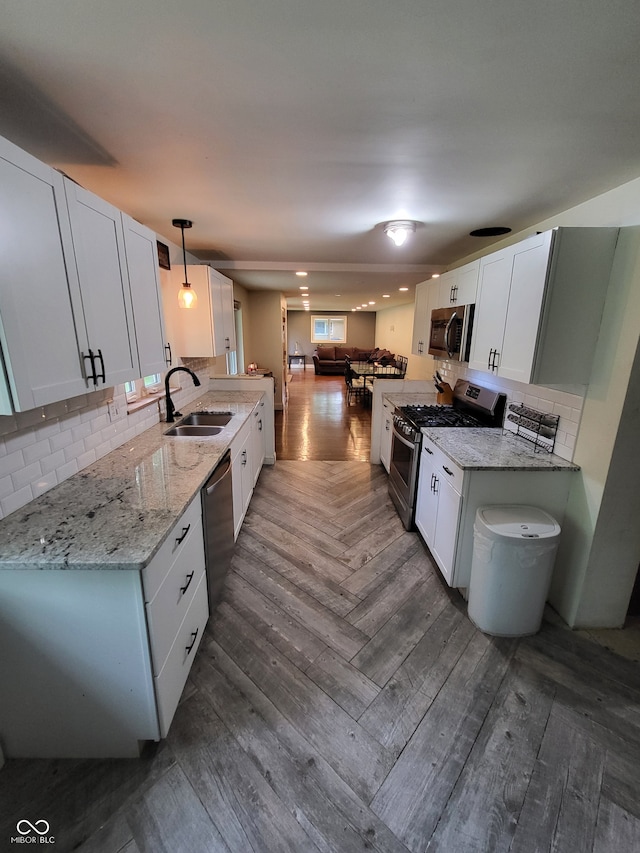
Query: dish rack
point(540, 428)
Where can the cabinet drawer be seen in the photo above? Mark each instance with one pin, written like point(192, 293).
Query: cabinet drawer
point(168, 607)
point(170, 682)
point(183, 531)
point(444, 468)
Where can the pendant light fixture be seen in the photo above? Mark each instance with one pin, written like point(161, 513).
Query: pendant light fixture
point(187, 296)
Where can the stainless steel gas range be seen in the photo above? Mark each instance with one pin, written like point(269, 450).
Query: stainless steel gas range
point(473, 407)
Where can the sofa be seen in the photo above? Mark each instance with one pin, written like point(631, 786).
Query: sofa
point(331, 359)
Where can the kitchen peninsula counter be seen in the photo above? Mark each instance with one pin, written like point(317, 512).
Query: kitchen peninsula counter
point(116, 513)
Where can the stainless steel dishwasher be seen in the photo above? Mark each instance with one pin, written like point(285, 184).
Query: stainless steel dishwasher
point(217, 518)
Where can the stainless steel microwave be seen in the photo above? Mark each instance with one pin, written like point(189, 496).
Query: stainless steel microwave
point(450, 335)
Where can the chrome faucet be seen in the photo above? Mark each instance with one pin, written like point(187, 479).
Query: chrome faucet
point(171, 411)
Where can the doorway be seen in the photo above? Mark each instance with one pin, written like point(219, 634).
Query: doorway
point(317, 424)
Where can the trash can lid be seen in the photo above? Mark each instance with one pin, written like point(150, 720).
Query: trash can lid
point(522, 522)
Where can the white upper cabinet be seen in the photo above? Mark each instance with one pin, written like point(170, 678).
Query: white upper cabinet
point(37, 327)
point(144, 282)
point(425, 299)
point(540, 304)
point(104, 299)
point(491, 309)
point(207, 329)
point(459, 286)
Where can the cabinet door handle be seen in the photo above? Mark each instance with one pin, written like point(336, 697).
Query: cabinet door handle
point(227, 344)
point(194, 635)
point(494, 360)
point(491, 352)
point(91, 376)
point(434, 488)
point(260, 425)
point(168, 358)
point(185, 530)
point(446, 470)
point(430, 452)
point(102, 374)
point(184, 588)
point(244, 457)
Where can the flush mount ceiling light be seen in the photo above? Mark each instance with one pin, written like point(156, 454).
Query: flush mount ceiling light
point(187, 297)
point(399, 229)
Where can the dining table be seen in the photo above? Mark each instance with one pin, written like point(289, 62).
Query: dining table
point(375, 370)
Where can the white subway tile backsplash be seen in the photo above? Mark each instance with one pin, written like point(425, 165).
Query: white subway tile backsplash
point(11, 462)
point(36, 451)
point(46, 446)
point(53, 461)
point(74, 450)
point(44, 484)
point(61, 440)
point(67, 470)
point(18, 440)
point(85, 459)
point(6, 487)
point(16, 500)
point(26, 475)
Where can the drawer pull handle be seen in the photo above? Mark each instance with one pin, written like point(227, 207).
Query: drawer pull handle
point(194, 635)
point(450, 473)
point(430, 452)
point(185, 530)
point(184, 588)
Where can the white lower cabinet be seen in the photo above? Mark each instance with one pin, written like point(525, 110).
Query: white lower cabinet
point(241, 474)
point(97, 660)
point(257, 443)
point(247, 457)
point(438, 506)
point(386, 435)
point(448, 498)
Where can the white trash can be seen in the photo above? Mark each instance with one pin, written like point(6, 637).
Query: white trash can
point(514, 549)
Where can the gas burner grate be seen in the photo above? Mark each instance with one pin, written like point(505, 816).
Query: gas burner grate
point(440, 416)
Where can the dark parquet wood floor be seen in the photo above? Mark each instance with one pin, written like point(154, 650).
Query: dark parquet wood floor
point(341, 701)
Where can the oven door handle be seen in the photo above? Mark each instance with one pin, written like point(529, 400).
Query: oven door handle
point(405, 441)
point(446, 334)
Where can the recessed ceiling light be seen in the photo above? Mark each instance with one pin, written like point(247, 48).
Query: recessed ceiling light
point(495, 231)
point(436, 275)
point(301, 273)
point(304, 287)
point(337, 294)
point(359, 308)
point(386, 296)
point(372, 303)
point(403, 288)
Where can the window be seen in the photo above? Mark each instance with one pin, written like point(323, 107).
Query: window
point(143, 388)
point(328, 330)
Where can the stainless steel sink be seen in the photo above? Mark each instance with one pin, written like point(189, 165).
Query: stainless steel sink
point(192, 430)
point(206, 419)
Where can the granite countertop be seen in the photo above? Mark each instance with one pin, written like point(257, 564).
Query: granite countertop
point(404, 398)
point(493, 449)
point(116, 513)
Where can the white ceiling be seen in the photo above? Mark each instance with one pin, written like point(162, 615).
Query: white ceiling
point(289, 130)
